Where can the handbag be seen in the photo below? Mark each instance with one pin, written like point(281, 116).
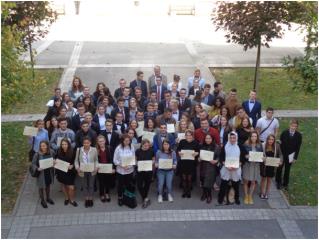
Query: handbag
point(31, 152)
point(129, 197)
point(34, 172)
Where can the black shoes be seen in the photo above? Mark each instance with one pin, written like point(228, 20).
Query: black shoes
point(88, 203)
point(66, 202)
point(44, 204)
point(74, 203)
point(49, 200)
point(203, 197)
point(120, 202)
point(237, 201)
point(278, 185)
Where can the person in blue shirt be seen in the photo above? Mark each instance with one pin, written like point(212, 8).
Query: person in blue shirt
point(41, 136)
point(162, 135)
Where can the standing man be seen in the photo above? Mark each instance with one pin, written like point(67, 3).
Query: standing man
point(159, 88)
point(139, 82)
point(291, 141)
point(119, 92)
point(252, 107)
point(207, 98)
point(185, 104)
point(198, 77)
point(218, 90)
point(152, 79)
point(267, 125)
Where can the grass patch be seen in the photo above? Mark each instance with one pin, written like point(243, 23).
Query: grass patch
point(14, 162)
point(275, 88)
point(303, 185)
point(35, 103)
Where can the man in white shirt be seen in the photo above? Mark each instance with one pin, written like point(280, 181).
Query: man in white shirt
point(267, 125)
point(173, 105)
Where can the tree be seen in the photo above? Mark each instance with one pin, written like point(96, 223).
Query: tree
point(251, 24)
point(33, 20)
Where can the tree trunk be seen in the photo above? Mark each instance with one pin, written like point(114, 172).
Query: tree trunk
point(256, 79)
point(31, 58)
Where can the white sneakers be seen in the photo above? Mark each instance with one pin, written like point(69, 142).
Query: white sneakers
point(160, 198)
point(170, 198)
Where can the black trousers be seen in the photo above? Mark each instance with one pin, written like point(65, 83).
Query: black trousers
point(224, 189)
point(287, 166)
point(105, 181)
point(124, 181)
point(144, 180)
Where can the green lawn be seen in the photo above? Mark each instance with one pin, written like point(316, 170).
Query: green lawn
point(36, 102)
point(304, 173)
point(275, 89)
point(14, 162)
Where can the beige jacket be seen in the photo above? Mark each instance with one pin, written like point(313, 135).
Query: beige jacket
point(93, 158)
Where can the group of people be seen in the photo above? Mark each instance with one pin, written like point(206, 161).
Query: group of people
point(160, 121)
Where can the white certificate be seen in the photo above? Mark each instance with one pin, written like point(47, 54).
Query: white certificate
point(62, 165)
point(105, 168)
point(206, 155)
point(128, 161)
point(165, 163)
point(273, 162)
point(30, 131)
point(143, 166)
point(170, 128)
point(149, 136)
point(139, 130)
point(191, 97)
point(46, 163)
point(187, 155)
point(181, 136)
point(256, 156)
point(232, 162)
point(89, 167)
point(291, 157)
point(206, 107)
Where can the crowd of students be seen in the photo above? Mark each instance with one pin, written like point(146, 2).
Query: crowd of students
point(99, 128)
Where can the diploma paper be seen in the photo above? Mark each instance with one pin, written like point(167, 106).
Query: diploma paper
point(105, 168)
point(128, 161)
point(165, 163)
point(87, 167)
point(273, 162)
point(62, 165)
point(291, 157)
point(256, 156)
point(146, 165)
point(136, 145)
point(181, 136)
point(30, 131)
point(191, 97)
point(46, 163)
point(139, 130)
point(149, 136)
point(206, 155)
point(170, 128)
point(206, 107)
point(187, 155)
point(232, 162)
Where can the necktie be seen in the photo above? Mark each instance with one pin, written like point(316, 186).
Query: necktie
point(182, 101)
point(252, 102)
point(158, 93)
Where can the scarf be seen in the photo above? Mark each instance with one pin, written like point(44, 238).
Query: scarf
point(232, 150)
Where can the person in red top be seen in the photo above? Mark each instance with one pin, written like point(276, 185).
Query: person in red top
point(201, 132)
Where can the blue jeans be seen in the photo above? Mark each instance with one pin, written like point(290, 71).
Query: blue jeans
point(163, 175)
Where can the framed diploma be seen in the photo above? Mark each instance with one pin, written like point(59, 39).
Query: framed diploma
point(87, 167)
point(149, 136)
point(206, 155)
point(170, 128)
point(181, 136)
point(232, 162)
point(128, 161)
point(143, 166)
point(30, 131)
point(62, 165)
point(46, 163)
point(105, 168)
point(273, 162)
point(165, 163)
point(256, 156)
point(206, 107)
point(187, 155)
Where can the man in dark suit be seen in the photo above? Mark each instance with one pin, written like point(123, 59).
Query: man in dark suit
point(159, 88)
point(93, 125)
point(176, 114)
point(208, 98)
point(291, 141)
point(78, 118)
point(85, 131)
point(120, 108)
point(252, 107)
point(100, 118)
point(139, 82)
point(165, 103)
point(185, 104)
point(119, 92)
point(152, 78)
point(112, 138)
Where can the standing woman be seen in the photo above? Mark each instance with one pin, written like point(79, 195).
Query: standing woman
point(99, 91)
point(76, 89)
point(46, 176)
point(144, 178)
point(54, 110)
point(251, 170)
point(87, 155)
point(107, 103)
point(124, 173)
point(52, 126)
point(105, 179)
point(195, 112)
point(271, 149)
point(42, 135)
point(165, 175)
point(66, 153)
point(208, 169)
point(89, 107)
point(224, 112)
point(244, 131)
point(181, 128)
point(188, 166)
point(217, 105)
point(186, 117)
point(150, 125)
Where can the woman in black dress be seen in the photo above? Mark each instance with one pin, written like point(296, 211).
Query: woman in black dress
point(187, 166)
point(244, 131)
point(66, 153)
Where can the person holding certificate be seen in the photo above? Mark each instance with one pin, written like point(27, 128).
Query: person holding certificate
point(86, 161)
point(180, 131)
point(62, 132)
point(42, 135)
point(65, 153)
point(144, 178)
point(124, 173)
point(105, 179)
point(251, 169)
point(271, 149)
point(208, 168)
point(46, 177)
point(232, 173)
point(188, 161)
point(165, 174)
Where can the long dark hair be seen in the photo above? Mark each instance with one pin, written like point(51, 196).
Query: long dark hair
point(48, 147)
point(80, 88)
point(169, 149)
point(210, 146)
point(69, 151)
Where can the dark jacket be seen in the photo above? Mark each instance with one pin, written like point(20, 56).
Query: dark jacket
point(80, 135)
point(126, 112)
point(115, 140)
point(187, 105)
point(255, 112)
point(96, 120)
point(290, 144)
point(163, 89)
point(133, 84)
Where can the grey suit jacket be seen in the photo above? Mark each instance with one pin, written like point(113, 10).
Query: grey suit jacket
point(151, 81)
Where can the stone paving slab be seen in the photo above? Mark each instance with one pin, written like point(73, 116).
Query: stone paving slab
point(309, 228)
